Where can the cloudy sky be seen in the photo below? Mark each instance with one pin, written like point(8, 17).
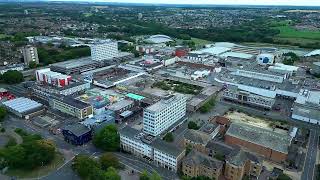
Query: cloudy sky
point(246, 2)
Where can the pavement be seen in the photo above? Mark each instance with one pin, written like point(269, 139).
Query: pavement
point(311, 157)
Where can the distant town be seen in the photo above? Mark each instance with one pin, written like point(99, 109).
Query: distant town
point(110, 92)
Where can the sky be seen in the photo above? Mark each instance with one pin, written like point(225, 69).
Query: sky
point(219, 2)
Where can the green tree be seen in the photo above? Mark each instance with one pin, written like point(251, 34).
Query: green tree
point(155, 176)
point(3, 113)
point(107, 139)
point(144, 175)
point(109, 160)
point(112, 174)
point(283, 177)
point(168, 137)
point(193, 125)
point(32, 65)
point(85, 166)
point(14, 156)
point(12, 77)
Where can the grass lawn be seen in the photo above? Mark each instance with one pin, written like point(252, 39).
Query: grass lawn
point(200, 42)
point(296, 40)
point(289, 32)
point(38, 172)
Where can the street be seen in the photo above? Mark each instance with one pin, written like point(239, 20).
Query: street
point(311, 157)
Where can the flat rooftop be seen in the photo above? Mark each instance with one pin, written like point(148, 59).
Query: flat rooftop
point(22, 104)
point(260, 136)
point(74, 63)
point(162, 104)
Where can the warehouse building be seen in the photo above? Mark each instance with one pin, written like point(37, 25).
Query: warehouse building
point(23, 107)
point(270, 144)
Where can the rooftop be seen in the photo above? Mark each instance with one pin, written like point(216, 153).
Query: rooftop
point(195, 158)
point(22, 104)
point(167, 147)
point(120, 105)
point(198, 137)
point(77, 129)
point(71, 101)
point(74, 63)
point(238, 157)
point(164, 103)
point(260, 136)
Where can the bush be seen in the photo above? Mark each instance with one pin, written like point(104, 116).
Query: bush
point(3, 113)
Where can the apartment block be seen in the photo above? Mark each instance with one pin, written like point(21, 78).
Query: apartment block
point(102, 50)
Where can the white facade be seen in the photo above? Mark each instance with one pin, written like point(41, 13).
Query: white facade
point(160, 116)
point(30, 54)
point(136, 146)
point(261, 76)
point(166, 160)
point(103, 50)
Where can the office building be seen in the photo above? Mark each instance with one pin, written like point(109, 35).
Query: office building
point(104, 49)
point(30, 54)
point(158, 117)
point(131, 140)
point(71, 106)
point(167, 155)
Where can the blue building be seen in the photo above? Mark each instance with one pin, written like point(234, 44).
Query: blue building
point(77, 134)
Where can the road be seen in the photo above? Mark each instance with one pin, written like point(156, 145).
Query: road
point(311, 156)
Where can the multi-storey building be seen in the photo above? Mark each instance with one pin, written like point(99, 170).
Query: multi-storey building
point(104, 49)
point(154, 150)
point(71, 106)
point(234, 94)
point(30, 54)
point(197, 164)
point(240, 163)
point(160, 116)
point(167, 155)
point(131, 140)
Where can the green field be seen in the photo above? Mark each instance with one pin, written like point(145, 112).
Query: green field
point(200, 42)
point(290, 32)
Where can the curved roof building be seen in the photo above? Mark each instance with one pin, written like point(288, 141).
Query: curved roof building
point(159, 38)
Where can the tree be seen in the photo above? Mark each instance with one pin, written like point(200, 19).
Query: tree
point(12, 77)
point(144, 175)
point(193, 125)
point(85, 166)
point(32, 65)
point(112, 174)
point(283, 177)
point(3, 113)
point(168, 137)
point(107, 139)
point(109, 160)
point(155, 176)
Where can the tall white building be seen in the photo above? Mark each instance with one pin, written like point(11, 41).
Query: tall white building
point(30, 54)
point(104, 49)
point(160, 116)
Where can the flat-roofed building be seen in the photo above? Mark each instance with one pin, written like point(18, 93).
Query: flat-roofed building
point(233, 93)
point(196, 139)
point(30, 54)
point(23, 107)
point(71, 106)
point(158, 117)
point(104, 49)
point(131, 140)
point(167, 155)
point(270, 144)
point(196, 164)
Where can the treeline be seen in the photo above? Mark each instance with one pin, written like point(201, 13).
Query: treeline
point(52, 55)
